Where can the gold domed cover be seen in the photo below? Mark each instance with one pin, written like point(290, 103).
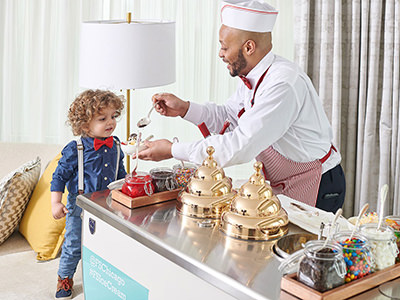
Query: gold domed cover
point(255, 213)
point(208, 193)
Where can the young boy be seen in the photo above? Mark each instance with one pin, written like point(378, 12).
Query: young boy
point(92, 116)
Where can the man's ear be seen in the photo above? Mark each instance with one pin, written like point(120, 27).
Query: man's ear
point(249, 47)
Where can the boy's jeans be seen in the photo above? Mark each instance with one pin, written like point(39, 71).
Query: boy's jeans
point(71, 249)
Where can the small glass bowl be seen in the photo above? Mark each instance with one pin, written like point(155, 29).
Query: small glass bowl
point(322, 267)
point(163, 179)
point(383, 245)
point(394, 222)
point(137, 185)
point(356, 253)
point(183, 174)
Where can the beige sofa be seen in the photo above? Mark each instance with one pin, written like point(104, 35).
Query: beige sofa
point(14, 155)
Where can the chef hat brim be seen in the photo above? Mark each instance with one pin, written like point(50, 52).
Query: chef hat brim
point(253, 16)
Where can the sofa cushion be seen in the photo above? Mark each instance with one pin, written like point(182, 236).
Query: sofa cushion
point(41, 230)
point(15, 191)
point(25, 152)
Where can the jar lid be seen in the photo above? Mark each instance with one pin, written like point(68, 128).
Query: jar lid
point(138, 178)
point(313, 249)
point(371, 231)
point(358, 240)
point(161, 173)
point(186, 166)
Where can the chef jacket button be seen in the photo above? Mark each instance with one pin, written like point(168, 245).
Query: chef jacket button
point(105, 178)
point(105, 150)
point(106, 165)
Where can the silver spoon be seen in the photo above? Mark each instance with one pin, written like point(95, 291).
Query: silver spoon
point(139, 137)
point(362, 211)
point(329, 235)
point(143, 122)
point(384, 191)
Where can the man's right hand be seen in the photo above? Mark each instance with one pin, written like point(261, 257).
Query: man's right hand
point(169, 105)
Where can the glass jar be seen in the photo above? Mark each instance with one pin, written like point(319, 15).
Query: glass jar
point(356, 253)
point(184, 173)
point(394, 222)
point(163, 179)
point(322, 267)
point(383, 245)
point(139, 184)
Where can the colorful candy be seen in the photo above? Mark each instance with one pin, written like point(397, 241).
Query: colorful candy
point(183, 174)
point(369, 217)
point(357, 257)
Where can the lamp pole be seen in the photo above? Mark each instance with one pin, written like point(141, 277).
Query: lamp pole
point(128, 127)
point(128, 109)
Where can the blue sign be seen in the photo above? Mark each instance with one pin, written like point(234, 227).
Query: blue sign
point(92, 226)
point(104, 281)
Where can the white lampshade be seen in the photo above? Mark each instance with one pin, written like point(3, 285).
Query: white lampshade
point(120, 55)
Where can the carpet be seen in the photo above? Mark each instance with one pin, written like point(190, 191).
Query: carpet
point(22, 277)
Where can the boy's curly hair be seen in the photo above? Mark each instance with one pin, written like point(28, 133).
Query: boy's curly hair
point(88, 104)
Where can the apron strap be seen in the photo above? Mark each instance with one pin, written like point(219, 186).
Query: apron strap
point(80, 166)
point(325, 158)
point(241, 112)
point(258, 84)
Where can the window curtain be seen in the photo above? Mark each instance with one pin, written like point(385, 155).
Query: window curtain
point(39, 55)
point(351, 50)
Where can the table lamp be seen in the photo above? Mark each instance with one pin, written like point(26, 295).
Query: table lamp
point(127, 54)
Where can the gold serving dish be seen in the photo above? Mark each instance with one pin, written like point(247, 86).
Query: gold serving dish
point(255, 213)
point(208, 193)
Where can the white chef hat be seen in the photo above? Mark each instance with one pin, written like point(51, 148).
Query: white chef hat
point(250, 15)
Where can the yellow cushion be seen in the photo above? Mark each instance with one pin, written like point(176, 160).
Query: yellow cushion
point(41, 230)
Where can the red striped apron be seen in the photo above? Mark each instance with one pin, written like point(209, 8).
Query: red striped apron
point(297, 180)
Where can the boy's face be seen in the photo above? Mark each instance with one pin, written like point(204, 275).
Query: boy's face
point(103, 124)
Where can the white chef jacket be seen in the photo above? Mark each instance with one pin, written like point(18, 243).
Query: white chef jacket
point(287, 114)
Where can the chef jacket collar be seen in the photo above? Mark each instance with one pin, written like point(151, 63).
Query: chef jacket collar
point(259, 69)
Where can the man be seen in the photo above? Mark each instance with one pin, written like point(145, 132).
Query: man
point(275, 115)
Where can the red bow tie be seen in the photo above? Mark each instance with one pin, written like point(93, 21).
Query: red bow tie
point(246, 81)
point(98, 143)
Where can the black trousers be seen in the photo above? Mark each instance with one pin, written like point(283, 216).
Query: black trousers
point(332, 190)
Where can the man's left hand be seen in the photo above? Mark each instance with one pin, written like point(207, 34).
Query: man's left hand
point(156, 150)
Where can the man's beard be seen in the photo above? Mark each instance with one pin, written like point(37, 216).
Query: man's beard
point(238, 65)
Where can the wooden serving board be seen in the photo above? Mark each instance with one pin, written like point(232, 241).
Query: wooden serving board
point(290, 284)
point(120, 197)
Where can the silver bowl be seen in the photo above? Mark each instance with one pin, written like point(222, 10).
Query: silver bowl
point(291, 243)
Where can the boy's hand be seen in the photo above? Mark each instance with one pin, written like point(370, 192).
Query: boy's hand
point(58, 210)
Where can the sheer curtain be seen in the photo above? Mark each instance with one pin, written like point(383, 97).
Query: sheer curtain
point(39, 53)
point(351, 50)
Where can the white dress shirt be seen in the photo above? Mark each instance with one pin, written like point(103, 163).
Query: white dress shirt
point(287, 114)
